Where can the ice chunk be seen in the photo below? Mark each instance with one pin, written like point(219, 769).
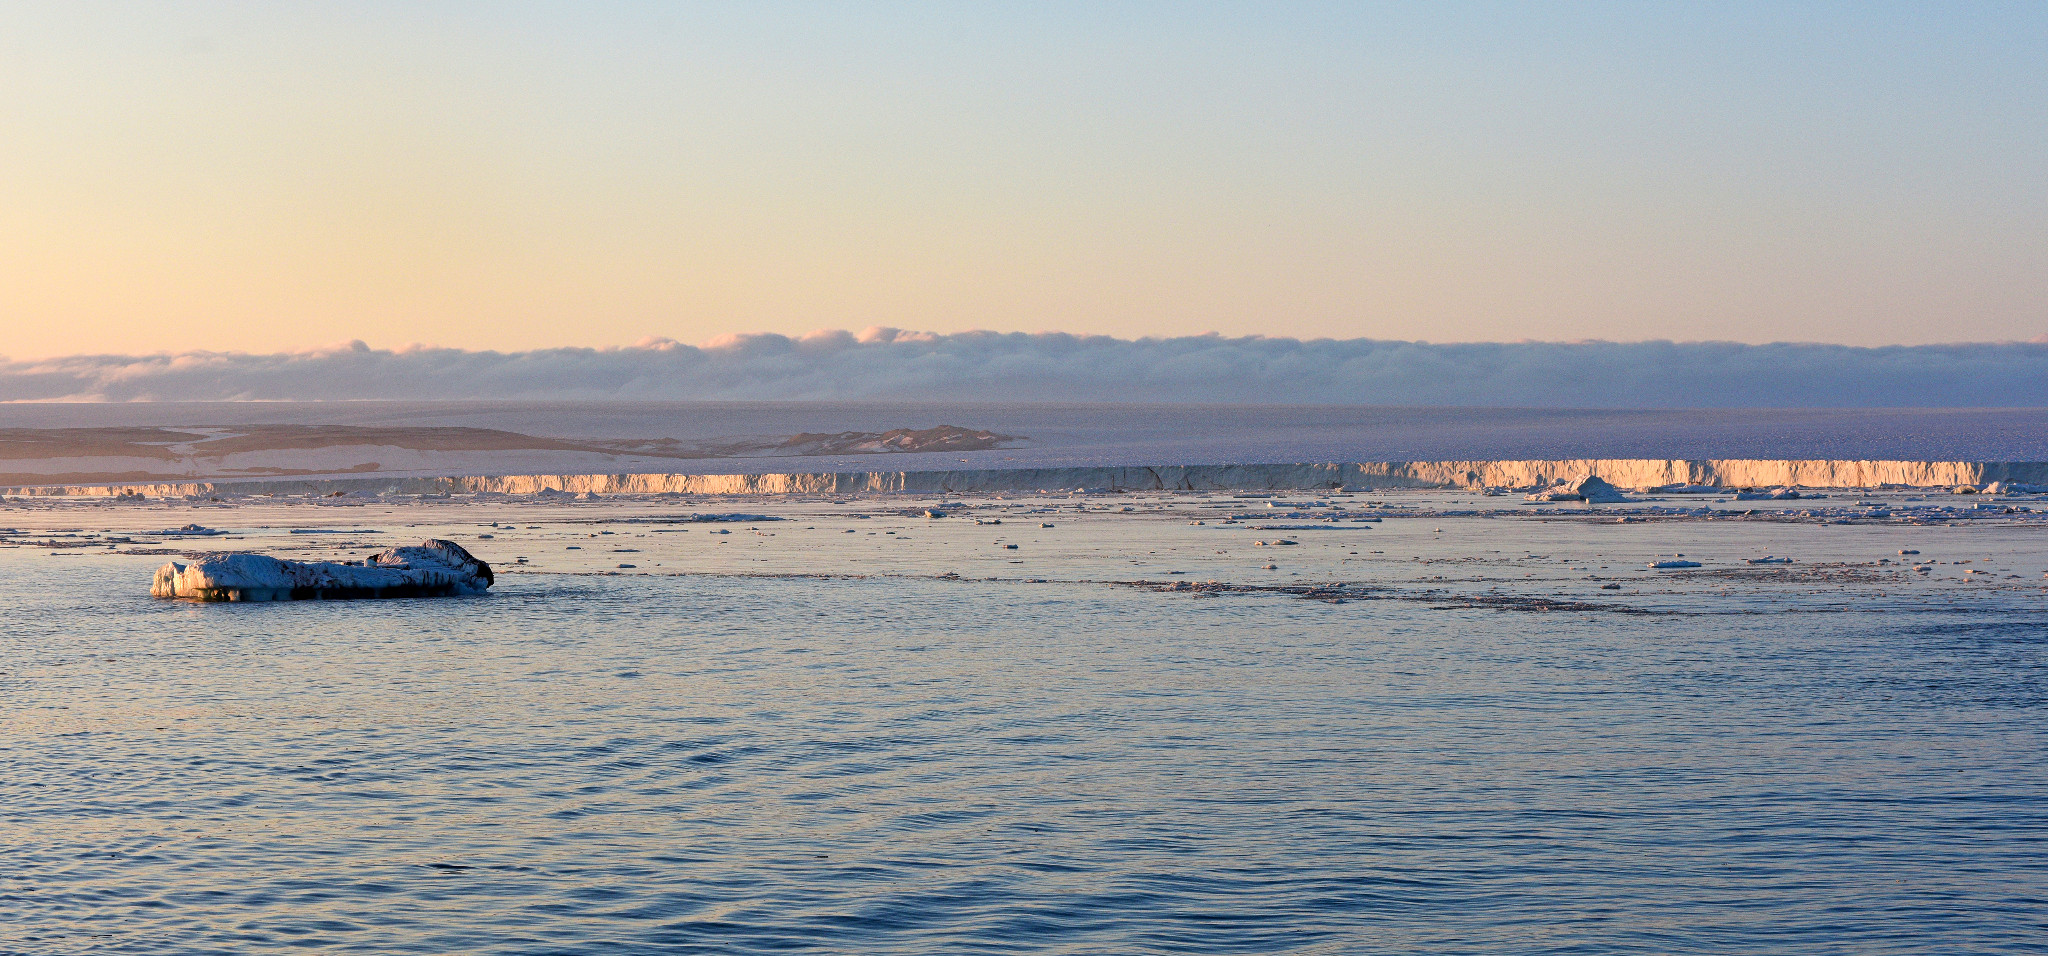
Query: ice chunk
point(432, 568)
point(1589, 488)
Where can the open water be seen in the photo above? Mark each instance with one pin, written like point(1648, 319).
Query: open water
point(728, 763)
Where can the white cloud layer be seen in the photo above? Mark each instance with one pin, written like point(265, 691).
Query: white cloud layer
point(988, 366)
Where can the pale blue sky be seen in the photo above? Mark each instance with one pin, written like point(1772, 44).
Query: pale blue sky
point(510, 175)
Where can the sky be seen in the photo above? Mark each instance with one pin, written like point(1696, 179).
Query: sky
point(270, 177)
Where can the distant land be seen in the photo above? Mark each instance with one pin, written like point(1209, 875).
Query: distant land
point(164, 453)
point(107, 444)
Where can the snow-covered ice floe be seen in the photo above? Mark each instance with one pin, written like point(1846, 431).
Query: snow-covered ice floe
point(432, 568)
point(1589, 489)
point(188, 531)
point(1772, 494)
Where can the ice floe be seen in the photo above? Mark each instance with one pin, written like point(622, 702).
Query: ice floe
point(1589, 488)
point(188, 531)
point(432, 568)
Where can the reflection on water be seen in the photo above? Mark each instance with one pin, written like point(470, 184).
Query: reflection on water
point(634, 765)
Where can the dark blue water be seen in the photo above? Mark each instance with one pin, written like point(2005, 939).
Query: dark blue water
point(680, 765)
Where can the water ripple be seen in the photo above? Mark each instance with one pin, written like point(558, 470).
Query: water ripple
point(669, 765)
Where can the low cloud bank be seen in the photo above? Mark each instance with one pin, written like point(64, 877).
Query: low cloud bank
point(988, 366)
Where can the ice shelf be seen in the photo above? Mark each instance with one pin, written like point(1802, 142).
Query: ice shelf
point(1522, 474)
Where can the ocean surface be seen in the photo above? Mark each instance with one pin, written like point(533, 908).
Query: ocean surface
point(807, 736)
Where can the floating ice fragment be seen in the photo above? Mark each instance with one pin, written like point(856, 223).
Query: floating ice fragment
point(432, 568)
point(1590, 488)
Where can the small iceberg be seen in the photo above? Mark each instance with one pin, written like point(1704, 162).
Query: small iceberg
point(1670, 565)
point(432, 568)
point(188, 531)
point(1590, 489)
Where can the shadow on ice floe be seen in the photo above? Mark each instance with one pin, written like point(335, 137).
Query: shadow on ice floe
point(432, 568)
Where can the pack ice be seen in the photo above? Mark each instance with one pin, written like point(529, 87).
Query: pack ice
point(432, 568)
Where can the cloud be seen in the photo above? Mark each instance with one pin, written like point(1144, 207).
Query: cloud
point(892, 364)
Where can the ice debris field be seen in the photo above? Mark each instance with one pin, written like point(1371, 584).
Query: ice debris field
point(1571, 546)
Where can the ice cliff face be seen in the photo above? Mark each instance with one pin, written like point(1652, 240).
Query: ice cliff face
point(433, 568)
point(1635, 473)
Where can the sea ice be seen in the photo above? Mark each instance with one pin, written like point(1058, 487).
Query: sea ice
point(1770, 494)
point(188, 531)
point(432, 568)
point(1590, 488)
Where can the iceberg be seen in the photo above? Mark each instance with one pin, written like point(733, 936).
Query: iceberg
point(1769, 494)
point(432, 568)
point(1590, 489)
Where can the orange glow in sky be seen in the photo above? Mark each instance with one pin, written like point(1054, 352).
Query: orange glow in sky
point(230, 176)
